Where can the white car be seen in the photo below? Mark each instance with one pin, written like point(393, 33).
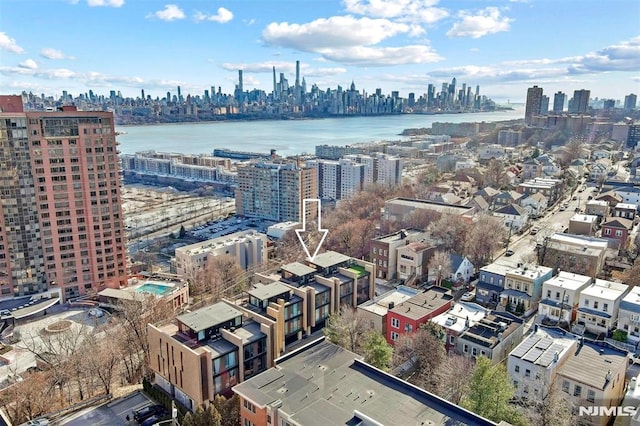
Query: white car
point(634, 358)
point(468, 297)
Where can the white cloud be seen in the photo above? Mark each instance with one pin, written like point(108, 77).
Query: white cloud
point(414, 10)
point(484, 22)
point(331, 33)
point(9, 44)
point(171, 12)
point(382, 56)
point(28, 64)
point(105, 3)
point(223, 16)
point(51, 53)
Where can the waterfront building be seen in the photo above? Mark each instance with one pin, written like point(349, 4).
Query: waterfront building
point(275, 191)
point(533, 103)
point(338, 179)
point(61, 224)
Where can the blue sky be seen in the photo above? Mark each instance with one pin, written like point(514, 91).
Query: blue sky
point(47, 46)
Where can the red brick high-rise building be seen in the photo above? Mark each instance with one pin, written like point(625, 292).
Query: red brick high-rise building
point(61, 224)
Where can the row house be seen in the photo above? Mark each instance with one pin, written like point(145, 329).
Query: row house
point(491, 284)
point(506, 198)
point(457, 320)
point(535, 204)
point(610, 197)
point(533, 365)
point(616, 231)
point(593, 375)
point(583, 224)
point(549, 187)
point(600, 170)
point(628, 194)
point(561, 297)
point(523, 287)
point(413, 259)
point(598, 208)
point(598, 306)
point(375, 310)
point(494, 336)
point(407, 316)
point(629, 315)
point(625, 211)
point(531, 168)
point(576, 253)
point(383, 250)
point(206, 352)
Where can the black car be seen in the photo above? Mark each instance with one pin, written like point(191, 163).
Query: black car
point(146, 412)
point(152, 420)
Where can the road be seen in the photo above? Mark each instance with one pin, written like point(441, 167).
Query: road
point(553, 221)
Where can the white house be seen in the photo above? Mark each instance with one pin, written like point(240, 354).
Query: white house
point(600, 169)
point(513, 216)
point(629, 315)
point(599, 303)
point(461, 268)
point(629, 194)
point(533, 364)
point(560, 297)
point(535, 204)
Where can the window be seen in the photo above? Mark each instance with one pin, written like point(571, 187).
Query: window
point(586, 302)
point(526, 389)
point(548, 294)
point(248, 423)
point(517, 369)
point(395, 323)
point(607, 231)
point(394, 336)
point(527, 373)
point(249, 406)
point(605, 307)
point(618, 233)
point(452, 339)
point(408, 328)
point(591, 396)
point(474, 351)
point(465, 349)
point(577, 390)
point(515, 384)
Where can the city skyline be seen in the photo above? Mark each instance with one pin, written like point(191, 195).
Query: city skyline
point(396, 45)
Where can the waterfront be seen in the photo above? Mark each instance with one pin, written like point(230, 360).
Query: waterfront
point(288, 137)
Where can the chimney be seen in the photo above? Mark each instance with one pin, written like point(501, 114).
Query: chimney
point(391, 305)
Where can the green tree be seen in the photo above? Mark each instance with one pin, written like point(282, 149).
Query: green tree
point(536, 153)
point(229, 409)
point(377, 351)
point(202, 417)
point(490, 391)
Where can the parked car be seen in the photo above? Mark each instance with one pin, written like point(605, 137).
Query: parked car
point(509, 253)
point(38, 422)
point(152, 420)
point(467, 297)
point(534, 230)
point(146, 412)
point(634, 358)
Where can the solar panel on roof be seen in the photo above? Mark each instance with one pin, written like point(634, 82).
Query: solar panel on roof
point(544, 343)
point(524, 347)
point(547, 358)
point(533, 354)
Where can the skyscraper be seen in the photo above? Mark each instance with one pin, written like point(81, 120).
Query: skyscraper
point(630, 101)
point(275, 191)
point(544, 105)
point(297, 93)
point(61, 224)
point(558, 102)
point(179, 95)
point(275, 87)
point(534, 102)
point(580, 102)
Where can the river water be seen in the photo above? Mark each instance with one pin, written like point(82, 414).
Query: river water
point(288, 137)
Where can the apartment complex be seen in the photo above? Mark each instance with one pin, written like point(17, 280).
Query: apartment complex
point(275, 191)
point(325, 384)
point(338, 179)
point(61, 224)
point(248, 248)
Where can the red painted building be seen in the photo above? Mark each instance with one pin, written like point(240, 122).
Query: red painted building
point(407, 316)
point(617, 229)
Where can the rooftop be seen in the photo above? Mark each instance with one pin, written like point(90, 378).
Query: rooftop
point(330, 258)
point(568, 281)
point(542, 347)
point(491, 329)
point(209, 316)
point(325, 384)
point(579, 241)
point(380, 305)
point(399, 236)
point(215, 243)
point(430, 205)
point(267, 291)
point(455, 319)
point(631, 302)
point(600, 359)
point(423, 304)
point(601, 203)
point(605, 289)
point(298, 269)
point(584, 218)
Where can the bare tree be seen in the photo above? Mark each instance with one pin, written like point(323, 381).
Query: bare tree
point(427, 353)
point(101, 358)
point(454, 375)
point(552, 410)
point(348, 329)
point(631, 277)
point(351, 238)
point(451, 231)
point(440, 265)
point(495, 175)
point(28, 398)
point(214, 281)
point(484, 238)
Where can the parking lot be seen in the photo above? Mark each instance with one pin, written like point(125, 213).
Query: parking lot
point(112, 414)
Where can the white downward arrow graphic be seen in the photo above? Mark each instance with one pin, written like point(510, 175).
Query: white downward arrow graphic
point(300, 232)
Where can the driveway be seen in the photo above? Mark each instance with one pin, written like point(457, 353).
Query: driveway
point(111, 414)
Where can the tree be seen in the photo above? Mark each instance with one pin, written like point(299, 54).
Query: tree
point(351, 238)
point(427, 353)
point(484, 238)
point(495, 175)
point(631, 277)
point(29, 398)
point(101, 357)
point(348, 329)
point(440, 266)
point(202, 417)
point(219, 277)
point(552, 410)
point(229, 409)
point(450, 231)
point(490, 391)
point(377, 351)
point(633, 251)
point(454, 375)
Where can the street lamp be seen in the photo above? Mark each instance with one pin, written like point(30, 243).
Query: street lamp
point(439, 275)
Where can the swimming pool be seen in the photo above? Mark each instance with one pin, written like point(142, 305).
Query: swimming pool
point(157, 289)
